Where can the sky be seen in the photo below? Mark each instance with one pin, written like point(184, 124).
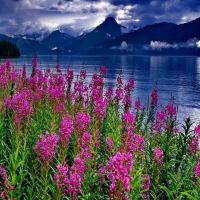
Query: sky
point(76, 16)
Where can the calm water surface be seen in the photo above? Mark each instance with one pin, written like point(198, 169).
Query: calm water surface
point(177, 76)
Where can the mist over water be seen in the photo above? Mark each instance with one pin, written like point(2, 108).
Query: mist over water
point(171, 75)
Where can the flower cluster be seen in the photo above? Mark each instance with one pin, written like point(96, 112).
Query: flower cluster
point(118, 173)
point(171, 109)
point(109, 145)
point(193, 146)
point(154, 98)
point(145, 184)
point(60, 176)
point(158, 156)
point(76, 177)
point(196, 169)
point(85, 143)
point(21, 105)
point(83, 121)
point(66, 129)
point(46, 147)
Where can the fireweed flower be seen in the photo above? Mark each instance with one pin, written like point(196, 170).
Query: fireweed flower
point(197, 130)
point(66, 129)
point(138, 105)
point(3, 175)
point(83, 121)
point(161, 118)
point(60, 176)
point(154, 98)
point(100, 108)
point(103, 70)
point(158, 156)
point(76, 176)
point(196, 169)
point(21, 106)
point(82, 74)
point(118, 173)
point(58, 68)
point(193, 146)
point(109, 145)
point(128, 118)
point(129, 86)
point(145, 184)
point(46, 147)
point(85, 143)
point(171, 109)
point(101, 172)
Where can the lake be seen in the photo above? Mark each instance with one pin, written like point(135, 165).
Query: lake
point(171, 75)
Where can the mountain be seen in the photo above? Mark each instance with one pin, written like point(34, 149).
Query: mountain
point(27, 46)
point(58, 41)
point(142, 41)
point(106, 31)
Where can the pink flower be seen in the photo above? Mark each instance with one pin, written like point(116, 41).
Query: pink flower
point(46, 147)
point(85, 143)
point(196, 169)
point(109, 145)
point(171, 109)
point(61, 175)
point(193, 146)
point(158, 156)
point(76, 176)
point(83, 121)
point(103, 70)
point(197, 130)
point(66, 129)
point(154, 98)
point(118, 172)
point(3, 175)
point(138, 105)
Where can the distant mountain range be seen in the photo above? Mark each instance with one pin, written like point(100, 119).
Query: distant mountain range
point(113, 38)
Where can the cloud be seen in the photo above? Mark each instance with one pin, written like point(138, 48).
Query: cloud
point(27, 15)
point(123, 47)
point(192, 43)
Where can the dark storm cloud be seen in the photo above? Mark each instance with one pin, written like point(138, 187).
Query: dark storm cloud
point(29, 16)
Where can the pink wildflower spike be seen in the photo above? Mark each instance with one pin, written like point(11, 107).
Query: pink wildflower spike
point(66, 129)
point(83, 121)
point(193, 146)
point(197, 130)
point(85, 143)
point(82, 74)
point(46, 147)
point(171, 109)
point(146, 185)
point(103, 70)
point(154, 98)
point(196, 169)
point(3, 175)
point(61, 175)
point(58, 68)
point(118, 171)
point(138, 105)
point(109, 145)
point(76, 176)
point(158, 156)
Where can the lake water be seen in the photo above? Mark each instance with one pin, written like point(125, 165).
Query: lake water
point(177, 76)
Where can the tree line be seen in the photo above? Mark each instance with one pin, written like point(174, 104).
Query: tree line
point(8, 49)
